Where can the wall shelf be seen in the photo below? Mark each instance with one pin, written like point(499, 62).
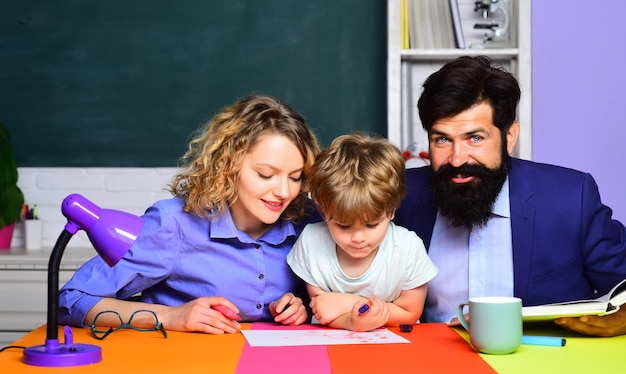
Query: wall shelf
point(448, 54)
point(408, 68)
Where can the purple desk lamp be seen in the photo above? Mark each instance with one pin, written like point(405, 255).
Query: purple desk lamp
point(111, 232)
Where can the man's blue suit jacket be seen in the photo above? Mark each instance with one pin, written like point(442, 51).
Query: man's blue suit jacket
point(566, 246)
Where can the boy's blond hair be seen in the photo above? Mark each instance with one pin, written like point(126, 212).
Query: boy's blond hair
point(358, 178)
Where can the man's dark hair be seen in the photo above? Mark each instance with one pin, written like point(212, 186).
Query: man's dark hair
point(465, 82)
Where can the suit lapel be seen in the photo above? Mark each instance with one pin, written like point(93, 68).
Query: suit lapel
point(522, 226)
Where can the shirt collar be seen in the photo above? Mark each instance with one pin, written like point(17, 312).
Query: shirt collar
point(223, 227)
point(501, 207)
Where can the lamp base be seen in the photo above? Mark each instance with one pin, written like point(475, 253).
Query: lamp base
point(54, 354)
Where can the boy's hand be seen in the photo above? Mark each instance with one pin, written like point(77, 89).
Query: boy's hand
point(369, 314)
point(329, 306)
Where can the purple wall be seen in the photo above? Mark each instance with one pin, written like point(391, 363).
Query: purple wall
point(579, 91)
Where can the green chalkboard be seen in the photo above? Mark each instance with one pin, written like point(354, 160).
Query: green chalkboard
point(123, 83)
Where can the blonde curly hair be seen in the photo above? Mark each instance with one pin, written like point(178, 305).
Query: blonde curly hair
point(211, 164)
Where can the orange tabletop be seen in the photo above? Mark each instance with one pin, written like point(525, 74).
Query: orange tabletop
point(434, 348)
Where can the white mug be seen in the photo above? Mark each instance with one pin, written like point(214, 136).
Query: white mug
point(495, 323)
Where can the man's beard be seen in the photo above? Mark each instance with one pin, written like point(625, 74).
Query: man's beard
point(468, 204)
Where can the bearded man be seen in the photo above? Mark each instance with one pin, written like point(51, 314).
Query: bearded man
point(500, 226)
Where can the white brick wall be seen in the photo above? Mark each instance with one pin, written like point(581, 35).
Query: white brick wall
point(128, 189)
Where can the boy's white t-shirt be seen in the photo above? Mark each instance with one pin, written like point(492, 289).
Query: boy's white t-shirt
point(400, 264)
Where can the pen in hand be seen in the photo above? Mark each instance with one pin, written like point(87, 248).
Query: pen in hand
point(365, 307)
point(286, 307)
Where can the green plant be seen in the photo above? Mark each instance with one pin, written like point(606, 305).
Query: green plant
point(11, 197)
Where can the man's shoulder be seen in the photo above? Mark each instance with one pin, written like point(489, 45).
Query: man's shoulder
point(420, 172)
point(546, 182)
point(417, 178)
point(543, 171)
point(540, 166)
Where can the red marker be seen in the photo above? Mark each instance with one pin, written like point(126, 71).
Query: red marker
point(227, 312)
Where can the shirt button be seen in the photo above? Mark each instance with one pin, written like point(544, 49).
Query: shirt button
point(261, 276)
point(259, 306)
point(257, 246)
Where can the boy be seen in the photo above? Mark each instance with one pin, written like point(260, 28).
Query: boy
point(361, 270)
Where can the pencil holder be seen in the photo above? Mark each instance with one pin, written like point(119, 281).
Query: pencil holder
point(32, 234)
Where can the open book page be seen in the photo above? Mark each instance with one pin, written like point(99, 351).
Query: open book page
point(618, 294)
point(605, 304)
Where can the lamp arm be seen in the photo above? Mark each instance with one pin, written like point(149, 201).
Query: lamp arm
point(53, 284)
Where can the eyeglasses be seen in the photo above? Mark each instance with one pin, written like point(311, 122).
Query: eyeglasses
point(144, 317)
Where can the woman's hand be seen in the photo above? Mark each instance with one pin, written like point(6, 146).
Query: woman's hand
point(197, 315)
point(288, 310)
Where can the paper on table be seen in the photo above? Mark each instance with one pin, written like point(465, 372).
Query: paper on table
point(285, 338)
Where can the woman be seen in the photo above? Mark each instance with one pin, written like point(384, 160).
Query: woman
point(221, 241)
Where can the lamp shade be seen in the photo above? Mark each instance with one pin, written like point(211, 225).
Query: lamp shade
point(111, 232)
